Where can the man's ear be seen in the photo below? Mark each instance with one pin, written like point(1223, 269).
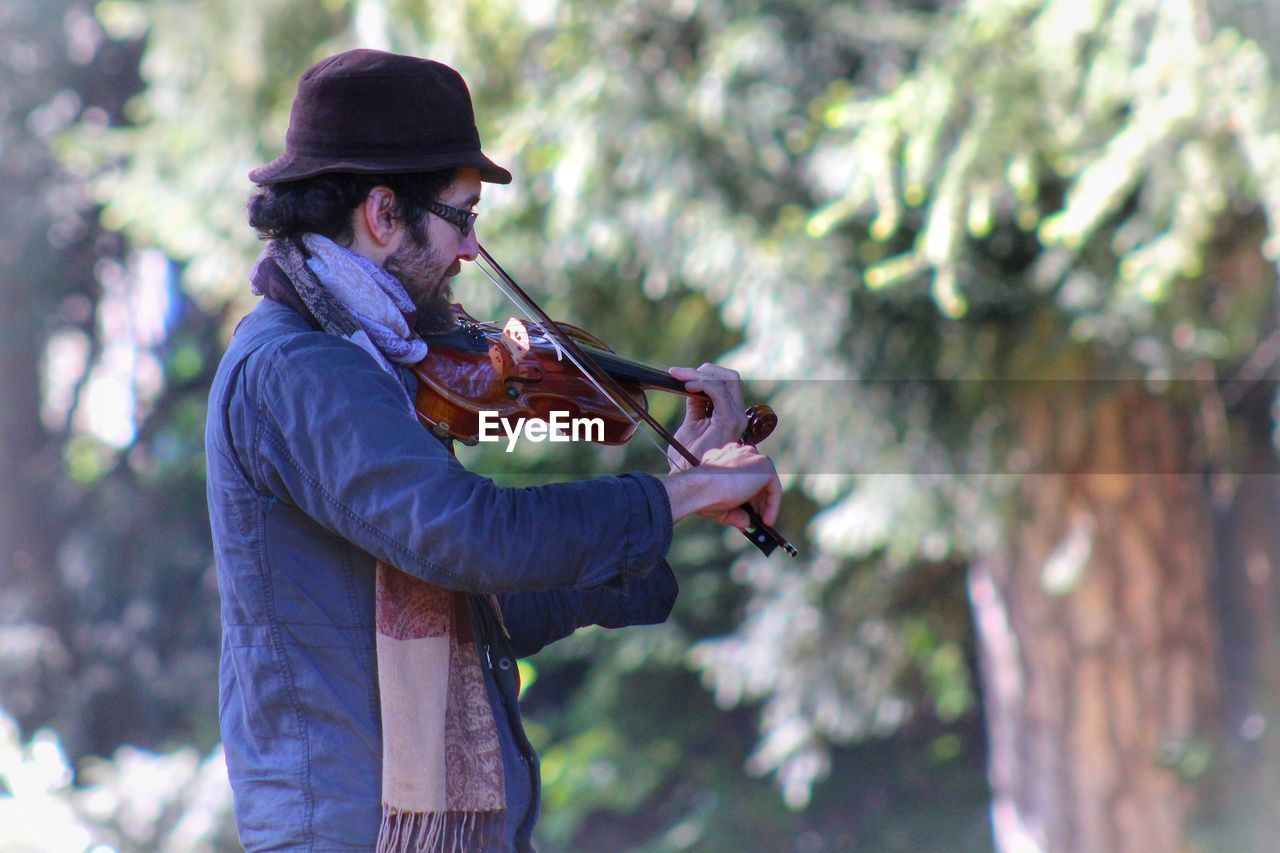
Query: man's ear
point(377, 215)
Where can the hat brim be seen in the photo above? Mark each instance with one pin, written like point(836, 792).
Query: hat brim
point(294, 168)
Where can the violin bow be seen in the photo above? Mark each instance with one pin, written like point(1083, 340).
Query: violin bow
point(760, 534)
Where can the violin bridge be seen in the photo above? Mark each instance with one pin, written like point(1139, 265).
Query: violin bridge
point(515, 337)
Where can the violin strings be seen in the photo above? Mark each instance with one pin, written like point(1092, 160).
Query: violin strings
point(561, 353)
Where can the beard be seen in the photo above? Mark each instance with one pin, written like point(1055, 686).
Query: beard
point(426, 277)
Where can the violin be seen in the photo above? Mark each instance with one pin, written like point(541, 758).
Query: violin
point(518, 372)
point(530, 371)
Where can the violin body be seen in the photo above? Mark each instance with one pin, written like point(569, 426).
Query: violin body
point(517, 373)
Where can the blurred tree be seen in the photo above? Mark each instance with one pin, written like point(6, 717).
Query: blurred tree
point(1086, 193)
point(48, 255)
point(34, 68)
point(109, 612)
point(136, 801)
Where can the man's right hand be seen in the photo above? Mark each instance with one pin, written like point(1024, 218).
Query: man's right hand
point(728, 477)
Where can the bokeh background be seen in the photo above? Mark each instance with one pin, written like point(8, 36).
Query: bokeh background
point(1005, 268)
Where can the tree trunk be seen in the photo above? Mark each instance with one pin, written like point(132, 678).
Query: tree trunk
point(1096, 637)
point(1248, 781)
point(33, 274)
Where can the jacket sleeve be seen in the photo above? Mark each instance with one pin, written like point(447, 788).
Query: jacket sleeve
point(317, 423)
point(535, 619)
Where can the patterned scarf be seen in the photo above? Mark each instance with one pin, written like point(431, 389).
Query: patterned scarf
point(442, 782)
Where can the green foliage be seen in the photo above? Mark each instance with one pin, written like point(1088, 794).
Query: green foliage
point(219, 78)
point(1119, 133)
point(883, 213)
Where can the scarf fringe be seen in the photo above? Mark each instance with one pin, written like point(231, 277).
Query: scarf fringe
point(435, 832)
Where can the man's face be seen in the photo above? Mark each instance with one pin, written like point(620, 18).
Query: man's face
point(431, 254)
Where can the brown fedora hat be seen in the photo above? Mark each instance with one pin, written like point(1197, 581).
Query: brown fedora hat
point(374, 112)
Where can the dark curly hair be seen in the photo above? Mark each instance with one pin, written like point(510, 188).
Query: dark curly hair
point(322, 204)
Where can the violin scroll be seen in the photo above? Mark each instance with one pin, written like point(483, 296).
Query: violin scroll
point(761, 422)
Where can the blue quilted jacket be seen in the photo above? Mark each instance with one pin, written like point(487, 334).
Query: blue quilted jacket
point(316, 469)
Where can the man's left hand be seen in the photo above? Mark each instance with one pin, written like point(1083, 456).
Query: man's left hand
point(703, 431)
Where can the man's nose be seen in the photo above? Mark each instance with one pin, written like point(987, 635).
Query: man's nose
point(469, 247)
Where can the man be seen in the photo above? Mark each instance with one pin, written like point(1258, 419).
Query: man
point(374, 593)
